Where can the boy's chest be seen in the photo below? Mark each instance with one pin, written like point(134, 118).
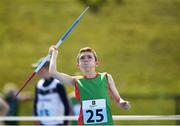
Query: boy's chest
point(92, 89)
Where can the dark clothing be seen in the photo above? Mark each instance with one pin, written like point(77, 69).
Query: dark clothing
point(14, 107)
point(47, 90)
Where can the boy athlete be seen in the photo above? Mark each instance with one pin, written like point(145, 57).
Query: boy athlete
point(91, 89)
point(50, 97)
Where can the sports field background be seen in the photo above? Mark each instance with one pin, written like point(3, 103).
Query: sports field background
point(137, 41)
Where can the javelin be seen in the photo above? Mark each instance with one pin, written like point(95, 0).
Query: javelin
point(56, 46)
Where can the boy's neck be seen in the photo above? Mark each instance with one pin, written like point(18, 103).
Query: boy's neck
point(90, 74)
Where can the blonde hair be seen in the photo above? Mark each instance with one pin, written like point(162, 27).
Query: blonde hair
point(86, 49)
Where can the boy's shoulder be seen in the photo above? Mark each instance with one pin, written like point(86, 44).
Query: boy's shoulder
point(79, 77)
point(103, 73)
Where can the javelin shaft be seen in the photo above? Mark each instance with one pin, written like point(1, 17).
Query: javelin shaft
point(56, 46)
point(25, 83)
point(42, 63)
point(62, 39)
point(71, 28)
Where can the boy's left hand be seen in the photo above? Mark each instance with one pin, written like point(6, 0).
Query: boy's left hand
point(124, 104)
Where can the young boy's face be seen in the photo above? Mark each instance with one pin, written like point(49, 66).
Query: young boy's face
point(87, 62)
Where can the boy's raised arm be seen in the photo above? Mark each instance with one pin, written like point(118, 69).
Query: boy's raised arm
point(64, 78)
point(114, 92)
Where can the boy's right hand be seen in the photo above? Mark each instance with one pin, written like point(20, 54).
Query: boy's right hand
point(53, 50)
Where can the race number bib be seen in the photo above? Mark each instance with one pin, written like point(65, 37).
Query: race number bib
point(94, 111)
point(43, 109)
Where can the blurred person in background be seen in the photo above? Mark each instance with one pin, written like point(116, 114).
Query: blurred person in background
point(50, 97)
point(4, 107)
point(9, 91)
point(75, 105)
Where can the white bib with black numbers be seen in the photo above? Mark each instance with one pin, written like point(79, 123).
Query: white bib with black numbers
point(94, 111)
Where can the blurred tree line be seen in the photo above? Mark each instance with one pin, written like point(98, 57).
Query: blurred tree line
point(95, 5)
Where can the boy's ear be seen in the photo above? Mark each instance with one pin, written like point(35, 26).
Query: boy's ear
point(77, 64)
point(97, 63)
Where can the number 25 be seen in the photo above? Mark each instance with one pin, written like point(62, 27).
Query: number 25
point(98, 113)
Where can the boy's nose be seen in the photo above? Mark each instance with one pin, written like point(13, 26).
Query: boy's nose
point(86, 58)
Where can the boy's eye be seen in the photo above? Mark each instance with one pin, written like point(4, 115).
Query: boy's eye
point(82, 57)
point(89, 57)
point(86, 56)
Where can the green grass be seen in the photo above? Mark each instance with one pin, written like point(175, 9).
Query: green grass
point(137, 41)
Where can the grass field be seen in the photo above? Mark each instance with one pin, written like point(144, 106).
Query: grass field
point(137, 41)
